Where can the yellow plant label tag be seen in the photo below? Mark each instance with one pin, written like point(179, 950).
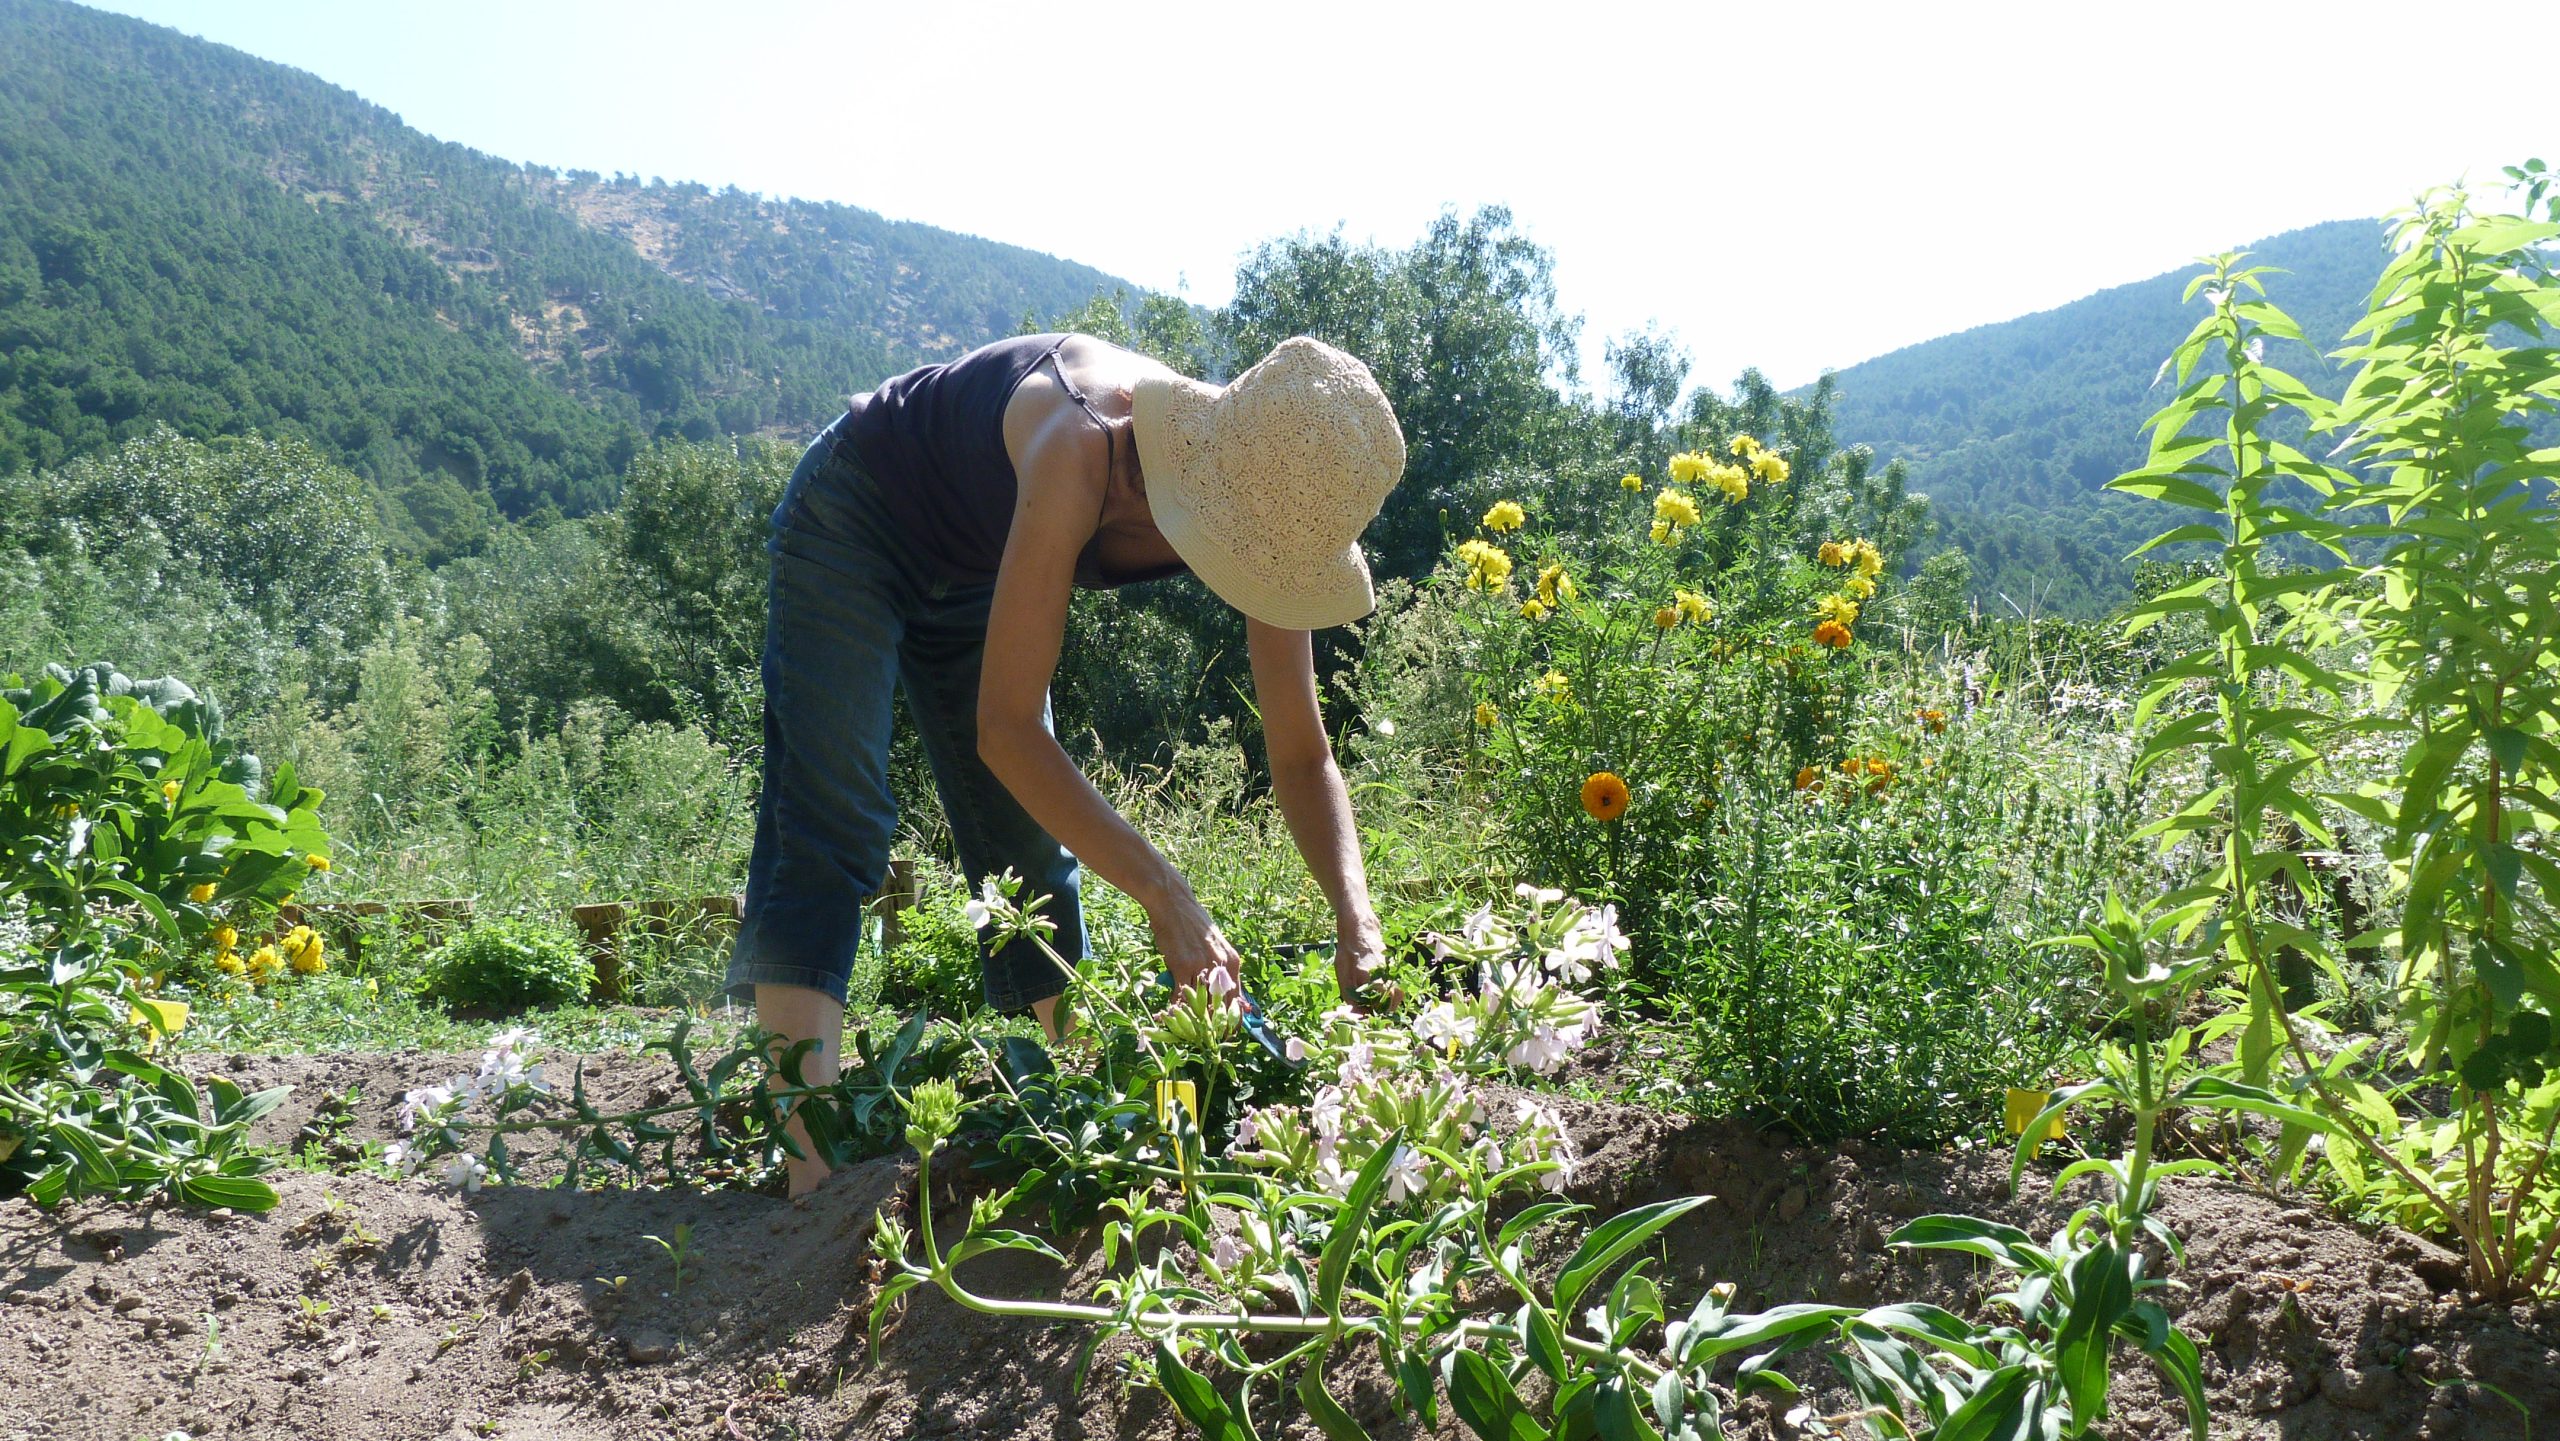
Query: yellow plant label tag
point(2025, 1106)
point(1172, 1093)
point(161, 1018)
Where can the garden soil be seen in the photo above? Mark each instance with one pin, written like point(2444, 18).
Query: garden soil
point(529, 1312)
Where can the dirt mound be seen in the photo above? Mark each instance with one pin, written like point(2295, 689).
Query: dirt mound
point(364, 1309)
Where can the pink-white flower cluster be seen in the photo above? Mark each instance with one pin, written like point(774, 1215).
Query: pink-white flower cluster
point(1416, 1082)
point(510, 1072)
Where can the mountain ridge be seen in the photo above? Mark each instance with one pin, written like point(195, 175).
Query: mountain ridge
point(2014, 427)
point(195, 237)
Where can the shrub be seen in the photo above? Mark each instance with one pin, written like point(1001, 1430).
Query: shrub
point(512, 965)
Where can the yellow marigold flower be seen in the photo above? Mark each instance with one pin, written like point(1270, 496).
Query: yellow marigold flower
point(1869, 560)
point(1486, 715)
point(1744, 445)
point(1488, 566)
point(311, 960)
point(1555, 685)
point(1694, 607)
point(1631, 482)
point(1858, 587)
point(169, 792)
point(1769, 468)
point(1837, 607)
point(1666, 618)
point(1661, 532)
point(1735, 485)
point(264, 963)
point(317, 862)
point(1554, 585)
point(1833, 634)
point(1531, 609)
point(1505, 515)
point(200, 893)
point(1688, 467)
point(229, 963)
point(1604, 796)
point(1833, 553)
point(1676, 508)
point(224, 938)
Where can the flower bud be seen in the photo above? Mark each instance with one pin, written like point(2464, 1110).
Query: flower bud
point(933, 1113)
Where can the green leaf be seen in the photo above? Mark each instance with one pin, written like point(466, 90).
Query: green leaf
point(2184, 1366)
point(1484, 1399)
point(1613, 1239)
point(1350, 1225)
point(2101, 1293)
point(1995, 1412)
point(1990, 1240)
point(2215, 1093)
point(240, 1193)
point(1322, 1409)
point(1542, 1341)
point(890, 1290)
point(1617, 1409)
point(1197, 1400)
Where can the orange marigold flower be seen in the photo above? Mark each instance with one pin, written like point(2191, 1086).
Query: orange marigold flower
point(1833, 634)
point(1935, 720)
point(1604, 796)
point(1805, 777)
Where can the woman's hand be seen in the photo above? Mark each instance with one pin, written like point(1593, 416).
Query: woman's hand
point(1190, 942)
point(1359, 954)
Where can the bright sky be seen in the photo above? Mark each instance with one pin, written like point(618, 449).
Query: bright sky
point(1796, 187)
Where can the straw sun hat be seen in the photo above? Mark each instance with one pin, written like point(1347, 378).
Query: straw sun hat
point(1264, 485)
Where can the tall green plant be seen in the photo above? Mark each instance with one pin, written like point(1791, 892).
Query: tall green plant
point(2463, 621)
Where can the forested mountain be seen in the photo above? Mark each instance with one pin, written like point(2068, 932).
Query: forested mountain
point(194, 236)
point(2012, 429)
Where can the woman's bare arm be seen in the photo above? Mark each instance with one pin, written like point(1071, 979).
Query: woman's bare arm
point(1308, 786)
point(1058, 499)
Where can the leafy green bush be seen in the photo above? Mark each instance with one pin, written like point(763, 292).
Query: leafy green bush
point(131, 833)
point(512, 964)
point(935, 968)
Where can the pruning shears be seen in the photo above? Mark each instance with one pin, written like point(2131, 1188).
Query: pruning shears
point(1256, 1024)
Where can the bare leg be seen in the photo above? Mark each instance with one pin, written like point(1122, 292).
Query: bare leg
point(796, 1013)
point(1055, 1019)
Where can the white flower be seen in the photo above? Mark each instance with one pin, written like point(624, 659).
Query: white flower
point(1441, 1027)
point(987, 906)
point(428, 1100)
point(1543, 1050)
point(1404, 1174)
point(465, 1172)
point(1536, 896)
point(1295, 1050)
point(1359, 1064)
point(1592, 940)
point(1225, 1254)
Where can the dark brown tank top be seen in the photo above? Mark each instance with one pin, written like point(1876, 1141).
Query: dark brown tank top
point(932, 440)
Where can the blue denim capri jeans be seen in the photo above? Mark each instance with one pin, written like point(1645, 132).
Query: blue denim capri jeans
point(853, 613)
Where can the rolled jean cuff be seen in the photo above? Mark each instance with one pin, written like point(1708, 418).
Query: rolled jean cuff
point(745, 975)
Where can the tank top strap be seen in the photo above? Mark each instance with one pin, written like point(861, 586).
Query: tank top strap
point(1110, 442)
